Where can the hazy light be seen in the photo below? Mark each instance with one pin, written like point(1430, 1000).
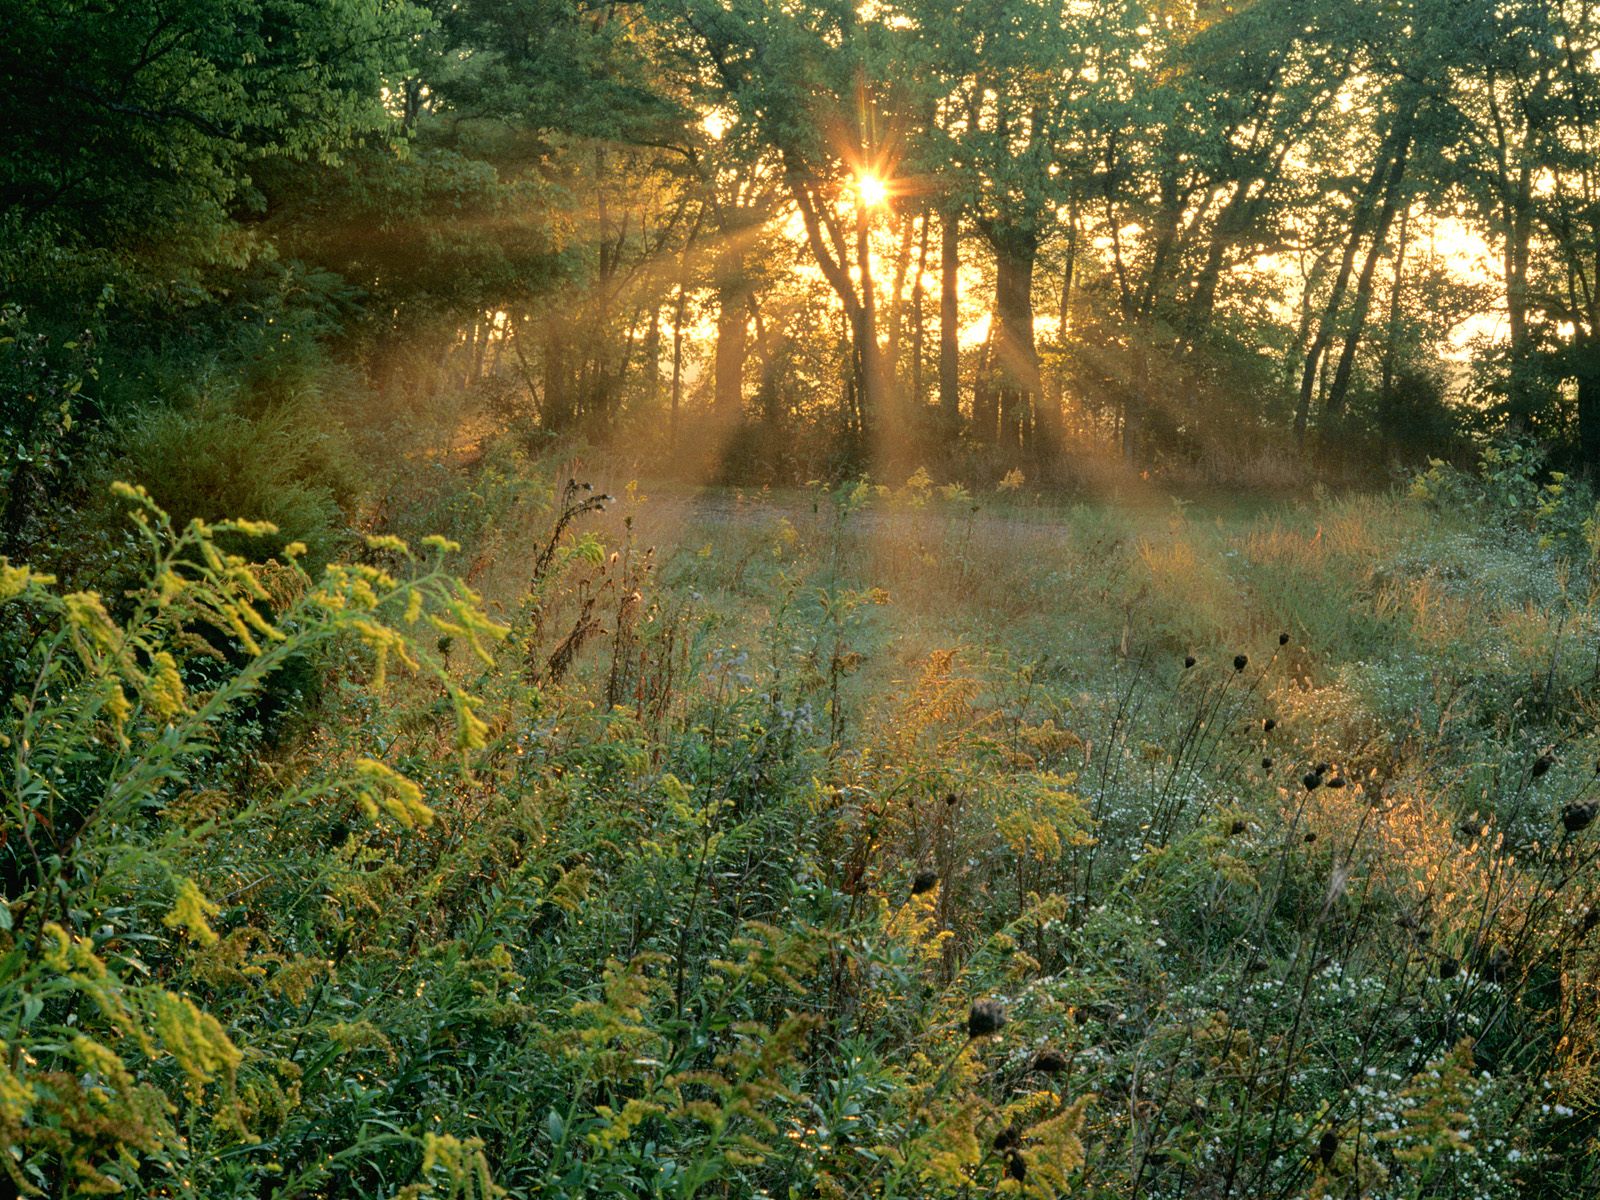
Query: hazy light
point(872, 190)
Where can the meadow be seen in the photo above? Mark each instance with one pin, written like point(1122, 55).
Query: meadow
point(704, 599)
point(585, 836)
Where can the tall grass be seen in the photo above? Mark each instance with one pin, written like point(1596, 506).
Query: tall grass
point(862, 842)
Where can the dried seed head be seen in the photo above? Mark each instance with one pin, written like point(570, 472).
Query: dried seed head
point(1283, 639)
point(1269, 724)
point(1016, 1168)
point(1008, 1139)
point(1237, 828)
point(1050, 1062)
point(924, 881)
point(1310, 837)
point(1336, 782)
point(1542, 765)
point(1575, 818)
point(1241, 661)
point(1312, 781)
point(985, 1017)
point(1189, 661)
point(1321, 768)
point(1327, 1147)
point(1266, 763)
point(1449, 967)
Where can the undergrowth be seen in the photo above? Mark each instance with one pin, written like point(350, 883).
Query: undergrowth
point(867, 842)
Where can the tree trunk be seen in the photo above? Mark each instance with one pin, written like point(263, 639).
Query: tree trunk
point(1052, 416)
point(902, 267)
point(677, 364)
point(1586, 361)
point(985, 399)
point(1359, 222)
point(652, 357)
point(1358, 317)
point(916, 319)
point(949, 318)
point(868, 357)
point(1522, 400)
point(558, 383)
point(733, 297)
point(1391, 346)
point(827, 239)
point(1016, 355)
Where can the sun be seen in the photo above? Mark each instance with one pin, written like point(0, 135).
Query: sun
point(872, 190)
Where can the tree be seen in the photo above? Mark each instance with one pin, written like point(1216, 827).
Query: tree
point(129, 127)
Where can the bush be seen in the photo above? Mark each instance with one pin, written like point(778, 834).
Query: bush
point(204, 458)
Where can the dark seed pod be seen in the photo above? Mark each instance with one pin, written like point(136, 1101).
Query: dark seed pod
point(1266, 764)
point(1310, 837)
point(925, 881)
point(1327, 1147)
point(1542, 765)
point(1575, 818)
point(1269, 724)
point(1189, 661)
point(985, 1017)
point(1312, 781)
point(1241, 661)
point(1336, 782)
point(1237, 828)
point(1008, 1139)
point(1283, 639)
point(1590, 920)
point(1016, 1168)
point(950, 800)
point(1050, 1062)
point(1322, 768)
point(1448, 967)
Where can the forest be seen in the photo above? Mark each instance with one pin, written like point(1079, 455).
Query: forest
point(816, 599)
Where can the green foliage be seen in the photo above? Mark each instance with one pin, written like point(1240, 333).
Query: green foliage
point(205, 459)
point(41, 396)
point(117, 1063)
point(142, 125)
point(680, 920)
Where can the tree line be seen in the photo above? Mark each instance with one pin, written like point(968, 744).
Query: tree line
point(1177, 230)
